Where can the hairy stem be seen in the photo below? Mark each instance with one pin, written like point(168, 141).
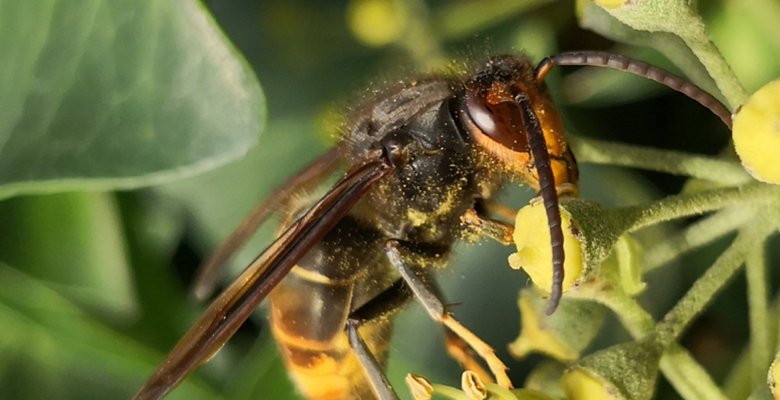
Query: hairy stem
point(719, 70)
point(464, 19)
point(687, 376)
point(760, 349)
point(680, 18)
point(696, 235)
point(704, 290)
point(420, 41)
point(696, 203)
point(449, 392)
point(668, 161)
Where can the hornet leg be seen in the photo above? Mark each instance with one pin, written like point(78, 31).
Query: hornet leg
point(384, 304)
point(424, 292)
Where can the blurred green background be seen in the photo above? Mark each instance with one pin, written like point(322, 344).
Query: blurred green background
point(123, 129)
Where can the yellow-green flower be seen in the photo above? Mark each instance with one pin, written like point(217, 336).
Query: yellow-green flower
point(563, 335)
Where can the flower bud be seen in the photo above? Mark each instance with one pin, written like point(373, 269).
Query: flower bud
point(530, 394)
point(580, 385)
point(627, 371)
point(377, 22)
point(774, 377)
point(534, 252)
point(610, 3)
point(756, 133)
point(546, 377)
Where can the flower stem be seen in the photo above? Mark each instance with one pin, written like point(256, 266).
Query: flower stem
point(719, 70)
point(687, 376)
point(668, 161)
point(760, 351)
point(680, 18)
point(420, 41)
point(695, 203)
point(696, 235)
point(705, 288)
point(497, 390)
point(449, 392)
point(464, 19)
point(637, 321)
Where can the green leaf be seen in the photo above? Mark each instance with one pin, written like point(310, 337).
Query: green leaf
point(602, 87)
point(153, 230)
point(220, 199)
point(598, 20)
point(58, 351)
point(75, 242)
point(749, 37)
point(118, 94)
point(680, 18)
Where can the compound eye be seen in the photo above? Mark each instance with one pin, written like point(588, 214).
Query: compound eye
point(502, 122)
point(478, 112)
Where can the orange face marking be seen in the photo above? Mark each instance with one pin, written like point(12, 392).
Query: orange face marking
point(500, 98)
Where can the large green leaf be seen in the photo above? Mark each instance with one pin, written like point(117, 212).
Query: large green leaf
point(220, 199)
point(121, 93)
point(57, 351)
point(75, 243)
point(598, 20)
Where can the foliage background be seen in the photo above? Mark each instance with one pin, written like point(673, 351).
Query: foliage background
point(93, 281)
